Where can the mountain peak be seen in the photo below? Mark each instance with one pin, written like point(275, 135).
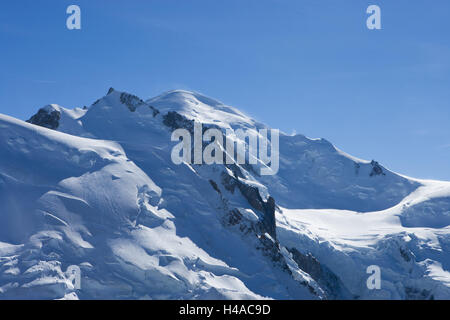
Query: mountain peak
point(196, 106)
point(111, 90)
point(116, 98)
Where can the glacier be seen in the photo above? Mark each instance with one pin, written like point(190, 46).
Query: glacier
point(96, 188)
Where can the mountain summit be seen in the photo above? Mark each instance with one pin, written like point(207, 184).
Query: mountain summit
point(95, 188)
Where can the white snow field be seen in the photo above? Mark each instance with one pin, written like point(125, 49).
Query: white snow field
point(96, 188)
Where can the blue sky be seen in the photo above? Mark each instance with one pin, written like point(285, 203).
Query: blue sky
point(310, 67)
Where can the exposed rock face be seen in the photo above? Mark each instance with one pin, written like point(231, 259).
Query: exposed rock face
point(332, 285)
point(46, 118)
point(267, 244)
point(256, 230)
point(377, 170)
point(215, 186)
point(406, 255)
point(251, 194)
point(131, 101)
point(155, 111)
point(174, 120)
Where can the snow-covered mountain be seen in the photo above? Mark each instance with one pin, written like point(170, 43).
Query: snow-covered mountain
point(96, 188)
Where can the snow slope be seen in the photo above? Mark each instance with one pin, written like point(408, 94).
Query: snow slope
point(409, 242)
point(89, 205)
point(83, 200)
point(103, 194)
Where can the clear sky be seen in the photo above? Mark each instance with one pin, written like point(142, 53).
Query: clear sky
point(305, 66)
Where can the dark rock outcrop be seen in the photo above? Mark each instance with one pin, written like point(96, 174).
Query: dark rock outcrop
point(174, 121)
point(131, 101)
point(215, 186)
point(267, 245)
point(252, 195)
point(328, 281)
point(47, 119)
point(406, 254)
point(155, 111)
point(377, 170)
